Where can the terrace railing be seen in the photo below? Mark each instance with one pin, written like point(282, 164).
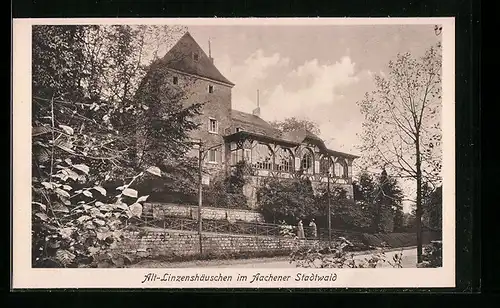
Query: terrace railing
point(239, 227)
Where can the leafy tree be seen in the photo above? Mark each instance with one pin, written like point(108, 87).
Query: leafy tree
point(433, 208)
point(226, 190)
point(388, 204)
point(364, 190)
point(401, 131)
point(286, 199)
point(293, 123)
point(85, 171)
point(381, 199)
point(346, 213)
point(161, 130)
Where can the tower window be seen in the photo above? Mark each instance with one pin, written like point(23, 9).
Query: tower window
point(213, 126)
point(175, 80)
point(212, 156)
point(196, 56)
point(210, 89)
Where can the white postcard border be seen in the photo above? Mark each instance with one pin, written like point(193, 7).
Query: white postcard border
point(26, 277)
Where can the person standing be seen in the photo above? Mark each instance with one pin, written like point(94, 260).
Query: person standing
point(300, 230)
point(314, 229)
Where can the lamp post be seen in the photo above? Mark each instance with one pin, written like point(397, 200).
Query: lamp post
point(201, 156)
point(329, 209)
point(200, 192)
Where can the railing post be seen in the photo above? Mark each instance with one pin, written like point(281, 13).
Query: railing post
point(200, 187)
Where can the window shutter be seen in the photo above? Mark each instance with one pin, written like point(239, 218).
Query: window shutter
point(297, 163)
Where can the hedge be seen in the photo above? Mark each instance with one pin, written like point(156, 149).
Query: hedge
point(397, 240)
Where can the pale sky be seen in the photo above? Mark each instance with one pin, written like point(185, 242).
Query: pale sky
point(313, 72)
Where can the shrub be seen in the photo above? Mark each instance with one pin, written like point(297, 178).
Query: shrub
point(338, 256)
point(393, 240)
point(432, 255)
point(80, 230)
point(286, 199)
point(226, 191)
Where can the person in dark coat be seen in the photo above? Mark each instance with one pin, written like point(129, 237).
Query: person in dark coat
point(314, 229)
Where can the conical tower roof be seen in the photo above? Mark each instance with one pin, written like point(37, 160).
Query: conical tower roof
point(188, 57)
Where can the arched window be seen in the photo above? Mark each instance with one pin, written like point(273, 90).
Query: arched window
point(262, 157)
point(307, 161)
point(340, 169)
point(326, 165)
point(284, 160)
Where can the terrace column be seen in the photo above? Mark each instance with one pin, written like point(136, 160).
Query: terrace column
point(316, 164)
point(349, 170)
point(227, 157)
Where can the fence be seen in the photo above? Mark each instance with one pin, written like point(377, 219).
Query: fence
point(240, 227)
point(209, 225)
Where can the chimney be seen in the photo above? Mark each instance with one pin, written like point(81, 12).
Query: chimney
point(256, 111)
point(210, 52)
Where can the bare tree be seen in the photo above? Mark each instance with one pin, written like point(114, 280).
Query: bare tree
point(401, 131)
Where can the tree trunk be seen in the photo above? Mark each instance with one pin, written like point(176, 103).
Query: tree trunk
point(418, 212)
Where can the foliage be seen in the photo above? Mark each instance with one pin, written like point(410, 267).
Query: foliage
point(287, 230)
point(393, 240)
point(337, 256)
point(401, 131)
point(286, 199)
point(346, 214)
point(388, 202)
point(433, 255)
point(433, 207)
point(293, 123)
point(227, 190)
point(236, 179)
point(381, 199)
point(86, 169)
point(294, 199)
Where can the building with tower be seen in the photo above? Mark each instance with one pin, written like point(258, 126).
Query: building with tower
point(235, 136)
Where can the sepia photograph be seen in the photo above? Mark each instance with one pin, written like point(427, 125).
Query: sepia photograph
point(280, 146)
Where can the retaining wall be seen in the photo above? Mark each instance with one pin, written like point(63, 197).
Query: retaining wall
point(155, 243)
point(160, 210)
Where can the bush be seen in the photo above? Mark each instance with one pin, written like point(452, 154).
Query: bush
point(393, 240)
point(286, 199)
point(338, 256)
point(432, 255)
point(226, 191)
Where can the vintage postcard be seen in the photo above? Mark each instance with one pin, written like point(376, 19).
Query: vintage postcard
point(234, 153)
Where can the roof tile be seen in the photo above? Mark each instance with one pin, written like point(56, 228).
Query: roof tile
point(180, 57)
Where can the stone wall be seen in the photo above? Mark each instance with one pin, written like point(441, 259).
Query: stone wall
point(160, 210)
point(153, 243)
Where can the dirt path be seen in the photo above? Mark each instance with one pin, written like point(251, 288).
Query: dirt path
point(409, 261)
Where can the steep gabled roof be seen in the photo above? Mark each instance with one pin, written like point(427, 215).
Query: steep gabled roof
point(252, 123)
point(180, 57)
